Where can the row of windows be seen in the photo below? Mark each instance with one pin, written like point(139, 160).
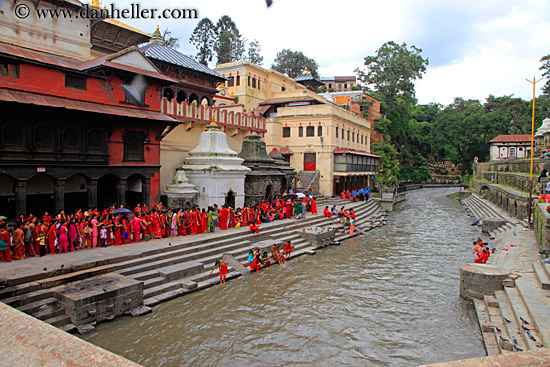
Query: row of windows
point(339, 85)
point(310, 131)
point(355, 138)
point(236, 81)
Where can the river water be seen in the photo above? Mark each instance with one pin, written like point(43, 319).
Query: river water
point(390, 298)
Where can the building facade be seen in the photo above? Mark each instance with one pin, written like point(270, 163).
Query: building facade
point(510, 146)
point(339, 83)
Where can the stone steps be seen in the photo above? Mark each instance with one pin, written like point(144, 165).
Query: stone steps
point(537, 303)
point(541, 275)
point(511, 326)
point(520, 310)
point(35, 296)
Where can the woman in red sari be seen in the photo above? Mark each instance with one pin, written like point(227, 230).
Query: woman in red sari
point(197, 220)
point(156, 224)
point(224, 215)
point(232, 219)
point(313, 206)
point(117, 230)
point(52, 237)
point(244, 216)
point(126, 238)
point(203, 221)
point(18, 243)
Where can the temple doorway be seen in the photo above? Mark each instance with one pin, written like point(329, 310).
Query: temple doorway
point(230, 199)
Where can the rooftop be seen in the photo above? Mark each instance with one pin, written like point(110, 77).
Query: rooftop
point(511, 138)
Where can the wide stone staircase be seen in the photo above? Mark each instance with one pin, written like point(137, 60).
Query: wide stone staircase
point(306, 179)
point(516, 318)
point(184, 264)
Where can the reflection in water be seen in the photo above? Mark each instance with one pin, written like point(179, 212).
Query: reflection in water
point(387, 298)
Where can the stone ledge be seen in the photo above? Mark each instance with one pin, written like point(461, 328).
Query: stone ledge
point(27, 341)
point(524, 359)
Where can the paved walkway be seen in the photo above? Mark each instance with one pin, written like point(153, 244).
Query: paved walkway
point(82, 258)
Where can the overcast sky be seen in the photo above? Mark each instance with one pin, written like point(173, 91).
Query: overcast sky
point(475, 47)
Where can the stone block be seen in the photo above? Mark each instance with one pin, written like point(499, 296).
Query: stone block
point(188, 284)
point(99, 298)
point(477, 280)
point(318, 236)
point(139, 311)
point(490, 224)
point(85, 329)
point(181, 270)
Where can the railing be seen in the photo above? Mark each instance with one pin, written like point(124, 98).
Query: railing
point(313, 179)
point(186, 112)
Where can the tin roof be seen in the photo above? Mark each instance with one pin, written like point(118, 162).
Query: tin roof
point(159, 51)
point(511, 138)
point(70, 104)
point(38, 56)
point(349, 151)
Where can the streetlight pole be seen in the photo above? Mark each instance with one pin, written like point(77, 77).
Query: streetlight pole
point(534, 82)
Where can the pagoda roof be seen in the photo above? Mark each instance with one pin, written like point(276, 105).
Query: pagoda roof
point(161, 52)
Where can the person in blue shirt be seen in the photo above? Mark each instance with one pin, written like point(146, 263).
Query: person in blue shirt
point(360, 194)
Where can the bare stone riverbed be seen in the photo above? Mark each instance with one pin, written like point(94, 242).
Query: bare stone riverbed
point(390, 298)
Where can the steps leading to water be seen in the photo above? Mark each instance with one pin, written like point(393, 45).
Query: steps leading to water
point(34, 296)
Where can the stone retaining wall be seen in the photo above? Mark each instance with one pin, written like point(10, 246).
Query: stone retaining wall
point(515, 204)
point(517, 180)
point(477, 280)
point(541, 224)
point(511, 165)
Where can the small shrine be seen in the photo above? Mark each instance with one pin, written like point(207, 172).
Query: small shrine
point(214, 170)
point(267, 177)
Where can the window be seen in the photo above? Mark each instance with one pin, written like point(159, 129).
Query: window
point(348, 135)
point(336, 132)
point(238, 82)
point(133, 146)
point(300, 131)
point(96, 139)
point(286, 132)
point(361, 139)
point(231, 81)
point(283, 89)
point(512, 152)
point(75, 81)
point(249, 80)
point(7, 69)
point(253, 82)
point(345, 86)
point(342, 133)
point(258, 83)
point(319, 131)
point(310, 131)
point(353, 137)
point(329, 85)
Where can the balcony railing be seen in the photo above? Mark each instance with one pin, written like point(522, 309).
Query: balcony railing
point(186, 112)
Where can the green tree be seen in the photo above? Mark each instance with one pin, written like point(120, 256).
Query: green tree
point(204, 39)
point(230, 44)
point(546, 73)
point(254, 53)
point(388, 169)
point(293, 63)
point(393, 70)
point(170, 41)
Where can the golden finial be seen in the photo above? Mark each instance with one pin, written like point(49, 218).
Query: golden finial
point(95, 4)
point(212, 121)
point(157, 36)
point(305, 70)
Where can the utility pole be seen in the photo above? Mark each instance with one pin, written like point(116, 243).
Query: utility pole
point(534, 82)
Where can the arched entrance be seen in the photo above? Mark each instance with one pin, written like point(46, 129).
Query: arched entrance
point(106, 191)
point(40, 195)
point(268, 193)
point(134, 191)
point(7, 196)
point(230, 199)
point(76, 193)
point(193, 98)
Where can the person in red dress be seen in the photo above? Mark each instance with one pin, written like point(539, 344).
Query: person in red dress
point(5, 242)
point(18, 242)
point(223, 270)
point(52, 236)
point(232, 219)
point(117, 228)
point(155, 219)
point(203, 221)
point(126, 238)
point(313, 206)
point(287, 249)
point(224, 215)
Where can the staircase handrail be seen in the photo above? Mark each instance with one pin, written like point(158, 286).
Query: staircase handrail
point(312, 180)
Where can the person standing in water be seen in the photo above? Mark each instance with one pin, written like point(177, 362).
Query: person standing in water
point(222, 265)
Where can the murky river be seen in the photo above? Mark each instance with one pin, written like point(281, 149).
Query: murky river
point(389, 298)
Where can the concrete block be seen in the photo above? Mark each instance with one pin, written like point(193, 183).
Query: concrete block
point(85, 329)
point(182, 270)
point(188, 284)
point(139, 311)
point(477, 280)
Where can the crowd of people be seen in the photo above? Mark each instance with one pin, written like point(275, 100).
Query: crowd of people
point(65, 232)
point(361, 194)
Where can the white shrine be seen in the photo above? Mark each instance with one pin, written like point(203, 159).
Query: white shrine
point(213, 170)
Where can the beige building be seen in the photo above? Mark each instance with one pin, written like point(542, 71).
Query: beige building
point(314, 135)
point(251, 84)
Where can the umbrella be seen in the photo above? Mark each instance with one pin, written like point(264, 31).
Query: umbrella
point(300, 195)
point(2, 217)
point(122, 211)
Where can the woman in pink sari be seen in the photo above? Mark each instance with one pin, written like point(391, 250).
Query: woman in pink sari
point(95, 224)
point(63, 236)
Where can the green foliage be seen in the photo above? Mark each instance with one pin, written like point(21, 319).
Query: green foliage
point(322, 89)
point(236, 99)
point(230, 44)
point(204, 38)
point(356, 87)
point(388, 172)
point(254, 53)
point(392, 72)
point(546, 73)
point(293, 63)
